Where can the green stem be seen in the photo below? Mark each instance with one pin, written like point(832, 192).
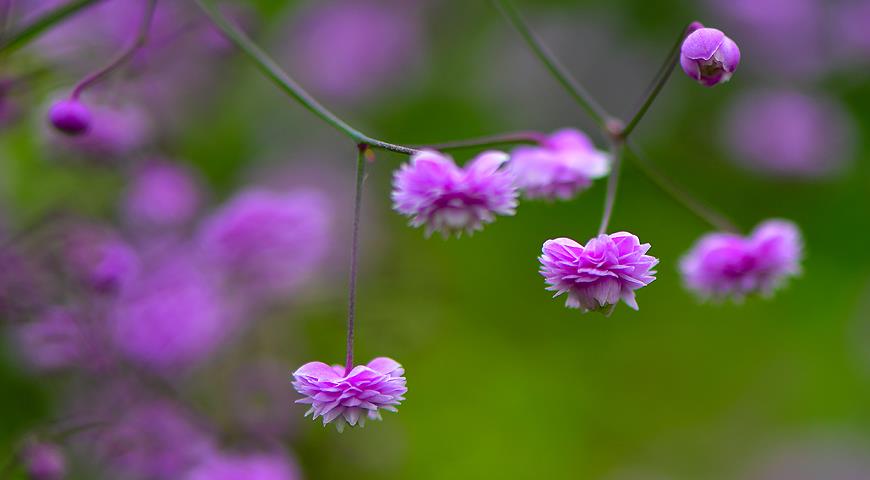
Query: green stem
point(289, 86)
point(489, 141)
point(354, 254)
point(616, 148)
point(701, 210)
point(47, 20)
point(657, 84)
point(574, 88)
point(124, 56)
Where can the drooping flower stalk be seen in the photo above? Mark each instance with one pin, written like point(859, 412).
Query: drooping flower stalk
point(616, 149)
point(354, 254)
point(660, 79)
point(124, 56)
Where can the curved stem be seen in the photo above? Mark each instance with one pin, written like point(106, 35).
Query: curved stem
point(44, 22)
point(124, 56)
point(616, 149)
point(658, 83)
point(354, 253)
point(489, 141)
point(574, 88)
point(289, 86)
point(701, 210)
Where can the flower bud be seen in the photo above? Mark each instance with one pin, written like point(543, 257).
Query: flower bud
point(70, 117)
point(709, 57)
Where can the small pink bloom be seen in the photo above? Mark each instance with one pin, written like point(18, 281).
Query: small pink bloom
point(709, 57)
point(350, 397)
point(609, 268)
point(444, 197)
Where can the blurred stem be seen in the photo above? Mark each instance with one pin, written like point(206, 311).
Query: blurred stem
point(280, 78)
point(490, 141)
point(658, 82)
point(616, 149)
point(124, 56)
point(701, 210)
point(574, 88)
point(24, 35)
point(362, 153)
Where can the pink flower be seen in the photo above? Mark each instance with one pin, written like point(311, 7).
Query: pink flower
point(727, 264)
point(444, 197)
point(255, 466)
point(564, 164)
point(596, 276)
point(350, 397)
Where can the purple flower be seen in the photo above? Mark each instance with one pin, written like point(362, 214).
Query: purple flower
point(70, 117)
point(255, 466)
point(727, 264)
point(596, 276)
point(161, 195)
point(271, 242)
point(100, 259)
point(852, 37)
point(435, 192)
point(350, 397)
point(173, 316)
point(43, 461)
point(153, 440)
point(709, 57)
point(54, 340)
point(564, 164)
point(790, 134)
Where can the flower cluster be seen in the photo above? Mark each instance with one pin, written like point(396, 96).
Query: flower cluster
point(349, 398)
point(726, 264)
point(609, 268)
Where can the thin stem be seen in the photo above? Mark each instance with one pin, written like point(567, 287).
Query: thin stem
point(124, 56)
point(289, 86)
point(616, 149)
point(354, 253)
point(44, 22)
point(489, 141)
point(574, 88)
point(701, 210)
point(657, 84)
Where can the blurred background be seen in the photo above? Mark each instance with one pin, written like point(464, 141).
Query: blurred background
point(162, 276)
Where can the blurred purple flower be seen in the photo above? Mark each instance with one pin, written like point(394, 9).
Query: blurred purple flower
point(115, 131)
point(438, 194)
point(851, 37)
point(153, 440)
point(564, 164)
point(790, 134)
point(43, 461)
point(709, 57)
point(173, 317)
point(597, 276)
point(786, 37)
point(54, 340)
point(350, 48)
point(350, 397)
point(20, 285)
point(271, 242)
point(727, 264)
point(252, 466)
point(100, 259)
point(829, 457)
point(161, 194)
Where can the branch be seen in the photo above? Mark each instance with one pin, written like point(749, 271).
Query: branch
point(44, 22)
